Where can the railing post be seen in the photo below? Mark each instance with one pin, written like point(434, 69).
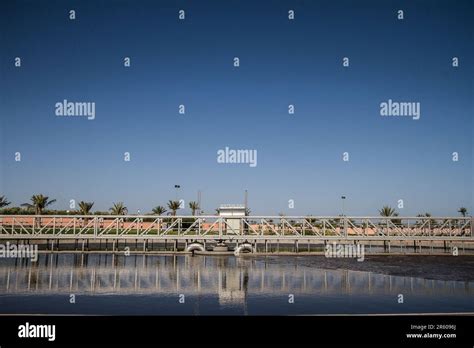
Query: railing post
point(472, 223)
point(220, 227)
point(345, 225)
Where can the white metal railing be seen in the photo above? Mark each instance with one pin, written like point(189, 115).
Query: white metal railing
point(150, 226)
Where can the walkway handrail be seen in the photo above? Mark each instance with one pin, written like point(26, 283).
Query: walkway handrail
point(145, 226)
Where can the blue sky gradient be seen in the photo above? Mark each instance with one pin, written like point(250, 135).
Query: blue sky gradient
point(282, 62)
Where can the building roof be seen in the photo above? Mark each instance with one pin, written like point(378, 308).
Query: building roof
point(231, 206)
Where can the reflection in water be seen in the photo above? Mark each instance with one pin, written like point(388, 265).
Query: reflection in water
point(232, 281)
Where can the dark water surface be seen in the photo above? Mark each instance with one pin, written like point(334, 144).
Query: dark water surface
point(228, 285)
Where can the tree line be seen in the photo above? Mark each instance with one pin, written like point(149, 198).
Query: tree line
point(39, 203)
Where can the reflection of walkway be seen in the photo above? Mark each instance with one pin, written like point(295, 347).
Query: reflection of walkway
point(230, 278)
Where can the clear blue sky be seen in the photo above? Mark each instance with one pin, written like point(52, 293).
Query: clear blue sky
point(282, 62)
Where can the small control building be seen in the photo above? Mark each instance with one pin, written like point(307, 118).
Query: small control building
point(232, 214)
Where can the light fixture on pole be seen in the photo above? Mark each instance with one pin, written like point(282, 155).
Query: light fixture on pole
point(343, 199)
point(177, 187)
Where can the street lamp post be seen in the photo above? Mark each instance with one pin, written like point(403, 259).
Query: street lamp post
point(177, 187)
point(343, 199)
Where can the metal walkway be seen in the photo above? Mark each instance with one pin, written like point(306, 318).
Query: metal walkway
point(281, 228)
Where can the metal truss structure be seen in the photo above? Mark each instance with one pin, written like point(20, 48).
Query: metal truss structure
point(235, 228)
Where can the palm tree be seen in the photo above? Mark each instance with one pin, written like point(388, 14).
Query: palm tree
point(85, 207)
point(3, 202)
point(173, 206)
point(159, 210)
point(39, 203)
point(118, 209)
point(193, 206)
point(387, 211)
point(461, 210)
